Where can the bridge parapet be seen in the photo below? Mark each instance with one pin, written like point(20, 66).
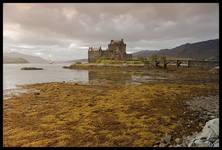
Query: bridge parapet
point(203, 63)
point(184, 62)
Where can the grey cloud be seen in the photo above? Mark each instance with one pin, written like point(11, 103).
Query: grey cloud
point(57, 26)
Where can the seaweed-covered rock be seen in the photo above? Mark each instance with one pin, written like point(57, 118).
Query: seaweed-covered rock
point(66, 67)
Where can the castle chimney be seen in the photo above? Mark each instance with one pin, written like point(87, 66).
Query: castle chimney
point(121, 40)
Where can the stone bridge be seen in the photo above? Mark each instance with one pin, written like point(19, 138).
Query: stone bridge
point(183, 62)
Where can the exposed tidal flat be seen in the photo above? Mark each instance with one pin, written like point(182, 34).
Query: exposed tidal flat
point(115, 108)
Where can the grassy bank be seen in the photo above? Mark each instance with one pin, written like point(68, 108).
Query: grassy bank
point(101, 65)
point(105, 61)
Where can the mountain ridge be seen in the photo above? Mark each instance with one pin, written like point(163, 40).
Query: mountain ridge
point(199, 50)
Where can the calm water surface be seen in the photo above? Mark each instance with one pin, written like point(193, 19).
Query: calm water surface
point(13, 75)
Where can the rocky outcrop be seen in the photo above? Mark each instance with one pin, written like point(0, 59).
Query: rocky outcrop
point(66, 67)
point(31, 68)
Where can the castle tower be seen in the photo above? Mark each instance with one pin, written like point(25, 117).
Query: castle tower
point(117, 49)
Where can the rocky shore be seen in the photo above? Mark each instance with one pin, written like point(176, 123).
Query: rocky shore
point(207, 106)
point(206, 109)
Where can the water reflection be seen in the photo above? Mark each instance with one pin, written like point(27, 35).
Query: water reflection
point(100, 77)
point(122, 77)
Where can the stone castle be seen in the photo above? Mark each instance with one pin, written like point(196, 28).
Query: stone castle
point(116, 50)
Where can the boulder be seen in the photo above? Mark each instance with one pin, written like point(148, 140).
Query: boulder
point(209, 136)
point(163, 145)
point(178, 140)
point(216, 143)
point(166, 138)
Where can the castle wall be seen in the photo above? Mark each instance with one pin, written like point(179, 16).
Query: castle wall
point(93, 56)
point(105, 54)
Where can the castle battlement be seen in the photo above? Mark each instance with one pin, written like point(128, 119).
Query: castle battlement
point(94, 49)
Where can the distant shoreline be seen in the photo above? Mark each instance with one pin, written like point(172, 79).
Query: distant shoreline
point(93, 65)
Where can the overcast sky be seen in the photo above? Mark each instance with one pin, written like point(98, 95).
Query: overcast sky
point(65, 31)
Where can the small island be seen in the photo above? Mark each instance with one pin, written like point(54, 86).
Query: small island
point(31, 68)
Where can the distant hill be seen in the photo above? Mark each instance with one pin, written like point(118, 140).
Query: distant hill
point(200, 50)
point(15, 57)
point(10, 60)
point(144, 53)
